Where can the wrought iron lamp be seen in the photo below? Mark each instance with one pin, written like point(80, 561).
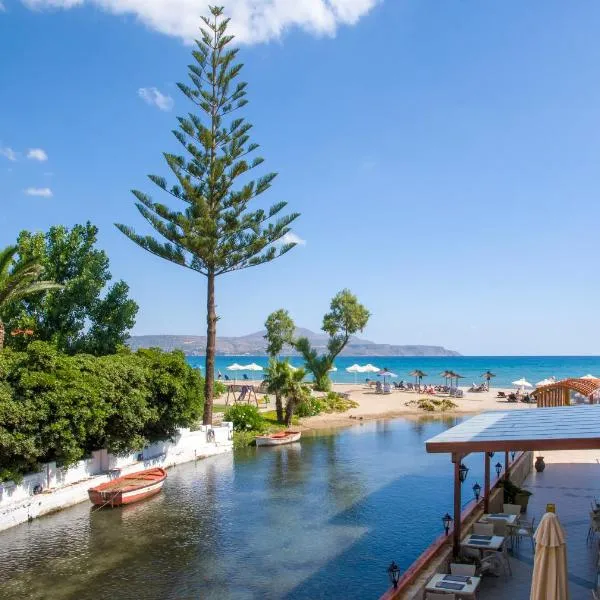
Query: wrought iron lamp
point(512, 455)
point(498, 467)
point(393, 572)
point(447, 520)
point(463, 471)
point(477, 491)
point(491, 454)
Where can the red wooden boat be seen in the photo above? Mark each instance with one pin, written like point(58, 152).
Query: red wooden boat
point(128, 488)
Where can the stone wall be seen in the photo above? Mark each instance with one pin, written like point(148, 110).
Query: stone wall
point(55, 488)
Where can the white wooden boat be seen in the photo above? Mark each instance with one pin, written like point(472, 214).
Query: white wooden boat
point(278, 439)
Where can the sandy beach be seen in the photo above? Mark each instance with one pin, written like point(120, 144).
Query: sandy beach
point(383, 406)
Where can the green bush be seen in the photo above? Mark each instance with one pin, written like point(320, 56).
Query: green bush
point(245, 417)
point(243, 439)
point(334, 402)
point(310, 407)
point(55, 407)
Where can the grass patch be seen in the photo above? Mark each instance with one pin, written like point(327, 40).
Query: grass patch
point(270, 417)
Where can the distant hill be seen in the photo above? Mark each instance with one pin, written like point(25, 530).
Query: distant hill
point(254, 344)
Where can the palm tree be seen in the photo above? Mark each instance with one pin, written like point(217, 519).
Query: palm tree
point(19, 280)
point(286, 382)
point(488, 375)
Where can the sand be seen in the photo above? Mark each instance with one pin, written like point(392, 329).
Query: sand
point(383, 406)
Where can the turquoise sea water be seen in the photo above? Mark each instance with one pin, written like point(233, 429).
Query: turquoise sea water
point(506, 368)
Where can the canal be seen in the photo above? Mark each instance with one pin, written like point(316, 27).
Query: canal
point(320, 519)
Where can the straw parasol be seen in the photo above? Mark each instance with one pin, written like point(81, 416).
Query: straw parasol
point(549, 580)
point(487, 376)
point(418, 375)
point(446, 375)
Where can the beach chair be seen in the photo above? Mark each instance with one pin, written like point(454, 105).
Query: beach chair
point(386, 388)
point(245, 377)
point(378, 388)
point(227, 378)
point(501, 395)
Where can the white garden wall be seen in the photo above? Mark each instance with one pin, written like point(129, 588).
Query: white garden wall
point(54, 488)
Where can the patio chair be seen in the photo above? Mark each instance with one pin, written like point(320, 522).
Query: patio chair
point(512, 509)
point(501, 555)
point(434, 596)
point(460, 569)
point(524, 529)
point(594, 526)
point(483, 529)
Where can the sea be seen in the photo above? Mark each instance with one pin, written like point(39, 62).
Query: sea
point(506, 368)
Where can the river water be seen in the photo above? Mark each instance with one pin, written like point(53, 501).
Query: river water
point(319, 519)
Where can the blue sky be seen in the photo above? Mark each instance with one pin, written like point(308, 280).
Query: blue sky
point(444, 157)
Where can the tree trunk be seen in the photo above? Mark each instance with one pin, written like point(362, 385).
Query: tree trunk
point(289, 411)
point(211, 342)
point(1, 334)
point(279, 407)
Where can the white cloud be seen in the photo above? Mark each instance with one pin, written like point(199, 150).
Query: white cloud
point(37, 154)
point(252, 21)
point(154, 97)
point(291, 238)
point(43, 192)
point(8, 153)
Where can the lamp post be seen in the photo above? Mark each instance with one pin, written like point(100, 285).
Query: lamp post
point(477, 491)
point(491, 454)
point(393, 572)
point(463, 471)
point(498, 467)
point(447, 520)
point(512, 455)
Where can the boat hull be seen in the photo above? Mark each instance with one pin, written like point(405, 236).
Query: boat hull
point(128, 489)
point(288, 437)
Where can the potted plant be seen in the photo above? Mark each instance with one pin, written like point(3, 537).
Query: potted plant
point(513, 494)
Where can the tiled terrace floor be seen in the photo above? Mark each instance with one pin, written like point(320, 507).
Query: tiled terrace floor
point(571, 481)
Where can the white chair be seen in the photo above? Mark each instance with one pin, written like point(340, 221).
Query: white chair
point(460, 569)
point(434, 596)
point(524, 529)
point(501, 527)
point(511, 509)
point(483, 529)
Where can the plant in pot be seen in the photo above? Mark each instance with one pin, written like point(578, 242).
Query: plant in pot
point(513, 494)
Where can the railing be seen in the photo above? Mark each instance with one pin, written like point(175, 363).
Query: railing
point(417, 567)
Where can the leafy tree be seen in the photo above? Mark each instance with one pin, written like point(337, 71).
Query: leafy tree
point(83, 315)
point(280, 331)
point(215, 232)
point(345, 318)
point(19, 280)
point(56, 407)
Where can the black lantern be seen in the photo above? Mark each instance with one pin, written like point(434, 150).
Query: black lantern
point(498, 467)
point(394, 573)
point(512, 455)
point(477, 491)
point(447, 520)
point(491, 454)
point(463, 471)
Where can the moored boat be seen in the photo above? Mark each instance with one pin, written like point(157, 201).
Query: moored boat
point(277, 439)
point(128, 488)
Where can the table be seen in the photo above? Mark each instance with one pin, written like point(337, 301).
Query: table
point(491, 517)
point(484, 542)
point(468, 589)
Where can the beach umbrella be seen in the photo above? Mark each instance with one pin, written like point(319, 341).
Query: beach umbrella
point(547, 381)
point(356, 369)
point(588, 376)
point(253, 367)
point(418, 375)
point(371, 369)
point(446, 375)
point(386, 373)
point(487, 376)
point(549, 579)
point(522, 384)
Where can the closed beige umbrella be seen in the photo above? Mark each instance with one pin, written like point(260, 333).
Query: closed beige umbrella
point(549, 581)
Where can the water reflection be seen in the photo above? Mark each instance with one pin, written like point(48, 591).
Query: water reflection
point(318, 519)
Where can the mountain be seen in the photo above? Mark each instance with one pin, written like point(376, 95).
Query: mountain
point(254, 344)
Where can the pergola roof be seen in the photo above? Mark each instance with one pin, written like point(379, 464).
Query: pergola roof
point(573, 428)
point(584, 386)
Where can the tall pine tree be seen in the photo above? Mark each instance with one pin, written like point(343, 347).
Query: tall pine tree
point(215, 233)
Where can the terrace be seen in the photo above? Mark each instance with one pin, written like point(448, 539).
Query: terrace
point(569, 438)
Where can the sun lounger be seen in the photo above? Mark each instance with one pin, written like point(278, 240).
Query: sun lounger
point(501, 395)
point(387, 388)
